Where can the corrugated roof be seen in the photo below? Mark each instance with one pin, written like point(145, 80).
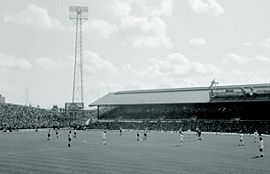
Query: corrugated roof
point(164, 96)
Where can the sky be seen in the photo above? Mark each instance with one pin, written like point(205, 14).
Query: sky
point(130, 45)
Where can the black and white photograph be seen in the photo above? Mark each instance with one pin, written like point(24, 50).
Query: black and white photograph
point(134, 86)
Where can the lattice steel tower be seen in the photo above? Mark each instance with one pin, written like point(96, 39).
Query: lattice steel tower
point(78, 14)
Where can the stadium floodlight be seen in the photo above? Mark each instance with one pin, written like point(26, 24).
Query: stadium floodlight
point(78, 14)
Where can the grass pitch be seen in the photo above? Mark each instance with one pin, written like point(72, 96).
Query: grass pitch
point(32, 153)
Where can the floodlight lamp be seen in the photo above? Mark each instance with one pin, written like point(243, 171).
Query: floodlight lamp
point(78, 12)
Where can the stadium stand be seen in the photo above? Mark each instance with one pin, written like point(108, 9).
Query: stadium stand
point(14, 116)
point(22, 117)
point(220, 108)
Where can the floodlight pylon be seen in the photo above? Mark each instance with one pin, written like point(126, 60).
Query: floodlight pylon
point(78, 14)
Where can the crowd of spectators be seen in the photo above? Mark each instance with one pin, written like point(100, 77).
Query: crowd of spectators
point(204, 125)
point(27, 117)
point(224, 111)
point(24, 117)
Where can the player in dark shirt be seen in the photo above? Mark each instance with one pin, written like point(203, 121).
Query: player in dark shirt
point(75, 134)
point(49, 135)
point(199, 133)
point(138, 136)
point(69, 139)
point(145, 135)
point(120, 131)
point(56, 132)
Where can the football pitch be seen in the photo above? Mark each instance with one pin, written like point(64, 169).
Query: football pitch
point(31, 153)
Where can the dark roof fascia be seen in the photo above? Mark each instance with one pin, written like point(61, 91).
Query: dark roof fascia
point(239, 101)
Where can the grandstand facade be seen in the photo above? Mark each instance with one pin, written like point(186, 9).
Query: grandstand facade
point(234, 102)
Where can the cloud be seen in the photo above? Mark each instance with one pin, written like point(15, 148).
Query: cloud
point(173, 70)
point(92, 64)
point(96, 65)
point(103, 27)
point(152, 42)
point(12, 62)
point(155, 33)
point(176, 70)
point(197, 42)
point(35, 17)
point(235, 58)
point(146, 17)
point(246, 43)
point(121, 8)
point(264, 43)
point(262, 58)
point(146, 8)
point(244, 60)
point(153, 8)
point(206, 7)
point(206, 68)
point(175, 63)
point(50, 64)
point(246, 76)
point(180, 65)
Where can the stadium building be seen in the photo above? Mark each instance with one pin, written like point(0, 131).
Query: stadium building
point(234, 102)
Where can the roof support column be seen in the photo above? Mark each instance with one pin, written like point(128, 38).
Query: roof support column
point(97, 112)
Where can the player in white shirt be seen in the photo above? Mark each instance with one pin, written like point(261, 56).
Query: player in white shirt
point(181, 138)
point(104, 138)
point(241, 139)
point(189, 134)
point(261, 146)
point(256, 135)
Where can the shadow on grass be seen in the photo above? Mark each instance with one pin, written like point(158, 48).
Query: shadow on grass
point(178, 145)
point(238, 145)
point(256, 157)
